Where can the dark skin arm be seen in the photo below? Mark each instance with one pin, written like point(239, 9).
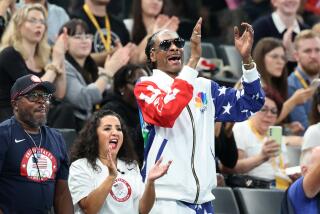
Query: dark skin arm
point(62, 198)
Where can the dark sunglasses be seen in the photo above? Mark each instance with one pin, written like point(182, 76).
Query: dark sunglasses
point(166, 44)
point(36, 97)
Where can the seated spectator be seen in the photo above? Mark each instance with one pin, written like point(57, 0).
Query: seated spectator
point(148, 19)
point(57, 16)
point(33, 157)
point(269, 55)
point(303, 194)
point(104, 175)
point(258, 155)
point(283, 24)
point(307, 54)
point(312, 135)
point(105, 28)
point(86, 83)
point(124, 103)
point(25, 51)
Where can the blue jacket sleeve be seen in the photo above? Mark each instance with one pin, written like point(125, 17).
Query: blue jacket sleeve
point(237, 105)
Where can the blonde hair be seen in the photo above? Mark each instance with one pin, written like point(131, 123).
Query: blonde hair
point(12, 36)
point(305, 34)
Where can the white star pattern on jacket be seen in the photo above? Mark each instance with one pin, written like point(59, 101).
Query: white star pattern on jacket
point(227, 108)
point(222, 91)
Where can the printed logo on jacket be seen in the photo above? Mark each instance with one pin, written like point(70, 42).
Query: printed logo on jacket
point(42, 159)
point(121, 190)
point(201, 101)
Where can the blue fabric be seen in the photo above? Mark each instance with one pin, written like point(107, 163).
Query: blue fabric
point(300, 112)
point(151, 134)
point(300, 202)
point(21, 191)
point(163, 144)
point(200, 208)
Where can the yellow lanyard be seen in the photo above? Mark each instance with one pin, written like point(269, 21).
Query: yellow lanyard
point(106, 43)
point(301, 80)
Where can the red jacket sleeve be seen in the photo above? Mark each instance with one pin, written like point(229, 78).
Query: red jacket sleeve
point(162, 108)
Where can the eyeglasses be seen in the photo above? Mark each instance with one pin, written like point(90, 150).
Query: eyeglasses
point(83, 36)
point(36, 97)
point(36, 21)
point(273, 111)
point(166, 44)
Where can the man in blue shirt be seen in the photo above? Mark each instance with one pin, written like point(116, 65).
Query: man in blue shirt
point(307, 54)
point(303, 192)
point(33, 157)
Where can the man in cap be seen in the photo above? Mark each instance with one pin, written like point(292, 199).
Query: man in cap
point(33, 157)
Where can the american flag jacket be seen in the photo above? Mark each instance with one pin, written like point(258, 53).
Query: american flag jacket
point(178, 118)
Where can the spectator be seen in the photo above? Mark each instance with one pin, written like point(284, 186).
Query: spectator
point(33, 157)
point(307, 54)
point(258, 155)
point(179, 112)
point(148, 19)
point(312, 135)
point(7, 8)
point(269, 55)
point(104, 175)
point(25, 51)
point(57, 16)
point(105, 28)
point(86, 83)
point(283, 24)
point(304, 192)
point(124, 103)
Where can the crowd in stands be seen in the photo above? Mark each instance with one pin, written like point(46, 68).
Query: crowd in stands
point(103, 57)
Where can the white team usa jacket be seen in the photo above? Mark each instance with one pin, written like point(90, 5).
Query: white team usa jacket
point(178, 116)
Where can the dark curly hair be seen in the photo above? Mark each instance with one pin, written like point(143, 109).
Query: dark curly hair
point(87, 143)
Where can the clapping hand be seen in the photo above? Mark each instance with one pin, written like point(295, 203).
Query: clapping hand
point(111, 165)
point(244, 42)
point(195, 45)
point(158, 170)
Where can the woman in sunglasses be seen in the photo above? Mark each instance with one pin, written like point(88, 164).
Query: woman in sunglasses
point(179, 111)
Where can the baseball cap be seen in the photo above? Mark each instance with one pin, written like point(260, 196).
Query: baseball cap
point(25, 84)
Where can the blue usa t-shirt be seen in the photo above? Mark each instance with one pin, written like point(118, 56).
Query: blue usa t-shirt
point(22, 190)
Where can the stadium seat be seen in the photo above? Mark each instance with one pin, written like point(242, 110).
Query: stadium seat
point(208, 51)
point(259, 201)
point(69, 136)
point(225, 201)
point(294, 153)
point(231, 57)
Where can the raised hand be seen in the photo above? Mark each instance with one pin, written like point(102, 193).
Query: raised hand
point(195, 45)
point(158, 170)
point(59, 50)
point(111, 165)
point(244, 42)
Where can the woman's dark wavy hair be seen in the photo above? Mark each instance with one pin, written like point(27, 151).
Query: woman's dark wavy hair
point(139, 30)
point(314, 116)
point(87, 143)
point(263, 47)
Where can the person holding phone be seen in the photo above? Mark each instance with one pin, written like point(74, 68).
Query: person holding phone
point(259, 155)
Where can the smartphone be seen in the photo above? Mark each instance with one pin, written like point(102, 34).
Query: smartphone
point(275, 133)
point(315, 83)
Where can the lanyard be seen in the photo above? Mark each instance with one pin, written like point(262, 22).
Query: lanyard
point(301, 80)
point(106, 43)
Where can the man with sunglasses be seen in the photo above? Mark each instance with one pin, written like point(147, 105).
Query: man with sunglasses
point(179, 111)
point(33, 157)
